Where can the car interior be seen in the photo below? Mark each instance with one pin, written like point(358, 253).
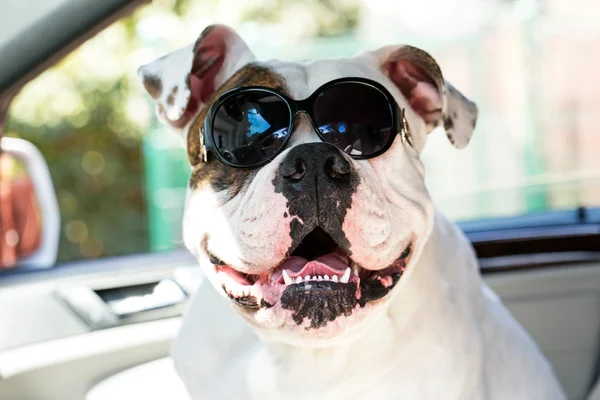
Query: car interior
point(91, 303)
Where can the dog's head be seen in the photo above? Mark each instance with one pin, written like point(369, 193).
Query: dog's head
point(314, 243)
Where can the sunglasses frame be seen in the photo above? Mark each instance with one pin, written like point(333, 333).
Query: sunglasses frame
point(399, 125)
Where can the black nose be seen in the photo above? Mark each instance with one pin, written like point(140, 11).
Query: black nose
point(311, 162)
point(318, 182)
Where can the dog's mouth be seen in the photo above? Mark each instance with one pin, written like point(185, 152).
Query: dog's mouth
point(318, 277)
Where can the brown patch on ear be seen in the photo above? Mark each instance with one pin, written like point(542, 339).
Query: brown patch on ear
point(450, 138)
point(214, 172)
point(171, 97)
point(448, 123)
point(153, 85)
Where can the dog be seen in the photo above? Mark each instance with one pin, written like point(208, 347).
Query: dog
point(307, 209)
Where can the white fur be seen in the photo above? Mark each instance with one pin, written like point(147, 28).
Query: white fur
point(177, 64)
point(249, 231)
point(444, 336)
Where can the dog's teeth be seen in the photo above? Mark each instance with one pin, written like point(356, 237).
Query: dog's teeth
point(307, 278)
point(286, 278)
point(346, 276)
point(355, 269)
point(299, 279)
point(334, 278)
point(325, 277)
point(319, 278)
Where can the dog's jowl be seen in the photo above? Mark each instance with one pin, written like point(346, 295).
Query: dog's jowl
point(307, 210)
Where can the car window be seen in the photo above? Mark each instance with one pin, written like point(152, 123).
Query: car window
point(120, 180)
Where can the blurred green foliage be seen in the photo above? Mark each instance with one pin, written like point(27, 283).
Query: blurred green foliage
point(322, 17)
point(98, 179)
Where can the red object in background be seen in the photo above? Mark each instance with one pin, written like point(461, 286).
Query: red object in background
point(19, 221)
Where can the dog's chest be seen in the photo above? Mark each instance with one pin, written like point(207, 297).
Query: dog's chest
point(420, 380)
point(384, 368)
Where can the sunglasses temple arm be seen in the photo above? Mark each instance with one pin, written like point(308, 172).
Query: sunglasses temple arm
point(405, 129)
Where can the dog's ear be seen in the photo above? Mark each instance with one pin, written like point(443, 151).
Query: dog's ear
point(417, 75)
point(183, 81)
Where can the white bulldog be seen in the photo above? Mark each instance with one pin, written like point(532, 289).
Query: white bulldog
point(307, 208)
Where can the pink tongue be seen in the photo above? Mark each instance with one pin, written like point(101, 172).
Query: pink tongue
point(235, 275)
point(293, 264)
point(334, 261)
point(329, 264)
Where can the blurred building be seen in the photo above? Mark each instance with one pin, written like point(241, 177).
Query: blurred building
point(529, 65)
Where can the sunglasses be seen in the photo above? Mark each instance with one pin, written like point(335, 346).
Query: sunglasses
point(247, 127)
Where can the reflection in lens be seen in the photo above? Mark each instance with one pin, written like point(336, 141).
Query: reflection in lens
point(251, 127)
point(257, 122)
point(354, 117)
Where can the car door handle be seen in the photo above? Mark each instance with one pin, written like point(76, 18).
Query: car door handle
point(109, 307)
point(131, 300)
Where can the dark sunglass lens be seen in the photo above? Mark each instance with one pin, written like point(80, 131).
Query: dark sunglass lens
point(250, 127)
point(355, 117)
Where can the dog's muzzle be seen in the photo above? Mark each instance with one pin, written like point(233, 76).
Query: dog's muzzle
point(318, 282)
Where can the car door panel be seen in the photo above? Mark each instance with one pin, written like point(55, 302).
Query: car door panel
point(47, 351)
point(560, 307)
point(66, 369)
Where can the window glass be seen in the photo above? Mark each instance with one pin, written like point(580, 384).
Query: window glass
point(528, 64)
